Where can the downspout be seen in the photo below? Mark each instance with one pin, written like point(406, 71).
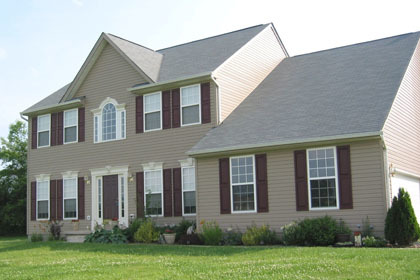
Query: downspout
point(218, 100)
point(388, 183)
point(27, 180)
point(23, 118)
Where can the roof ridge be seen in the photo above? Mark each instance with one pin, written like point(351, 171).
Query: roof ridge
point(134, 43)
point(219, 35)
point(356, 44)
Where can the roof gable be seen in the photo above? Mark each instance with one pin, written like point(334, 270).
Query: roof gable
point(343, 91)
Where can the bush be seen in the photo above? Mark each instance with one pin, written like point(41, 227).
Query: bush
point(190, 239)
point(182, 228)
point(114, 236)
point(342, 228)
point(147, 232)
point(211, 233)
point(55, 230)
point(371, 241)
point(401, 225)
point(36, 237)
point(311, 232)
point(132, 229)
point(260, 236)
point(232, 237)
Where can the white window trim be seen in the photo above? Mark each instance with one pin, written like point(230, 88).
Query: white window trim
point(199, 105)
point(321, 178)
point(254, 182)
point(38, 131)
point(71, 175)
point(150, 167)
point(77, 128)
point(43, 178)
point(98, 114)
point(144, 111)
point(188, 163)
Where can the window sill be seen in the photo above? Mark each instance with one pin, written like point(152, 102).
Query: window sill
point(324, 209)
point(190, 124)
point(189, 215)
point(65, 143)
point(244, 212)
point(112, 140)
point(41, 147)
point(150, 130)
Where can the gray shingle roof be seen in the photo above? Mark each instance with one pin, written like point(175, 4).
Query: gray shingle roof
point(341, 91)
point(175, 62)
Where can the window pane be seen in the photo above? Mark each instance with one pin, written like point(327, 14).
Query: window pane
point(43, 138)
point(70, 118)
point(153, 181)
point(188, 179)
point(43, 209)
point(42, 190)
point(190, 95)
point(191, 114)
point(323, 193)
point(152, 102)
point(152, 120)
point(70, 134)
point(123, 124)
point(243, 197)
point(109, 122)
point(70, 208)
point(44, 123)
point(96, 129)
point(154, 204)
point(189, 203)
point(69, 188)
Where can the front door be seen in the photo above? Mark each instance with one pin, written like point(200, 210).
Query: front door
point(110, 199)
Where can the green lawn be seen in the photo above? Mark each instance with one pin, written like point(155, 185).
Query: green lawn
point(20, 259)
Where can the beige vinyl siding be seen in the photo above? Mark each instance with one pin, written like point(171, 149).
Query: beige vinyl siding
point(368, 191)
point(246, 69)
point(402, 128)
point(110, 77)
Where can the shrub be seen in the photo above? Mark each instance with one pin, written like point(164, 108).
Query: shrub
point(211, 233)
point(260, 236)
point(147, 232)
point(36, 237)
point(232, 237)
point(371, 241)
point(132, 229)
point(342, 228)
point(366, 227)
point(55, 230)
point(190, 239)
point(100, 235)
point(182, 228)
point(401, 225)
point(312, 232)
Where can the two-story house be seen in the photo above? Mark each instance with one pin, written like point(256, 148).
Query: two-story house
point(228, 128)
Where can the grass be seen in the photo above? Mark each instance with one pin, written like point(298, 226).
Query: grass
point(20, 259)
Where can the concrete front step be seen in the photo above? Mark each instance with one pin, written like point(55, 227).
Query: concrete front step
point(76, 236)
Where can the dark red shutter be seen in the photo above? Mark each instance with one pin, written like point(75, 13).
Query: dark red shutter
point(53, 200)
point(167, 192)
point(81, 198)
point(60, 199)
point(166, 109)
point(33, 201)
point(344, 177)
point(139, 114)
point(224, 181)
point(53, 133)
point(81, 128)
point(205, 103)
point(301, 182)
point(262, 186)
point(177, 192)
point(60, 128)
point(176, 108)
point(140, 194)
point(34, 132)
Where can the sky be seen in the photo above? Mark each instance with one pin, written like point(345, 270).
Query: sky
point(43, 43)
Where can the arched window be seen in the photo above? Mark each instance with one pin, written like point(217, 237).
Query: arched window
point(109, 122)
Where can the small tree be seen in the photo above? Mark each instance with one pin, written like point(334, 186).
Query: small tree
point(401, 225)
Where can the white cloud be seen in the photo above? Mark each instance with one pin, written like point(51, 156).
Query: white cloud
point(3, 53)
point(78, 2)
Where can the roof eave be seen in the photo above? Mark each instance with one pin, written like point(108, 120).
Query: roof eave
point(303, 141)
point(44, 109)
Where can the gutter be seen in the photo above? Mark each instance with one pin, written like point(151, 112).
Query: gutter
point(48, 107)
point(403, 172)
point(182, 79)
point(376, 134)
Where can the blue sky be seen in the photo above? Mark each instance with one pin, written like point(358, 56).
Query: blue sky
point(43, 43)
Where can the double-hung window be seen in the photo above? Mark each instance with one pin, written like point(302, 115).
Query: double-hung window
point(322, 178)
point(188, 190)
point(70, 198)
point(242, 170)
point(43, 200)
point(109, 121)
point(190, 105)
point(70, 126)
point(44, 130)
point(152, 111)
point(153, 192)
